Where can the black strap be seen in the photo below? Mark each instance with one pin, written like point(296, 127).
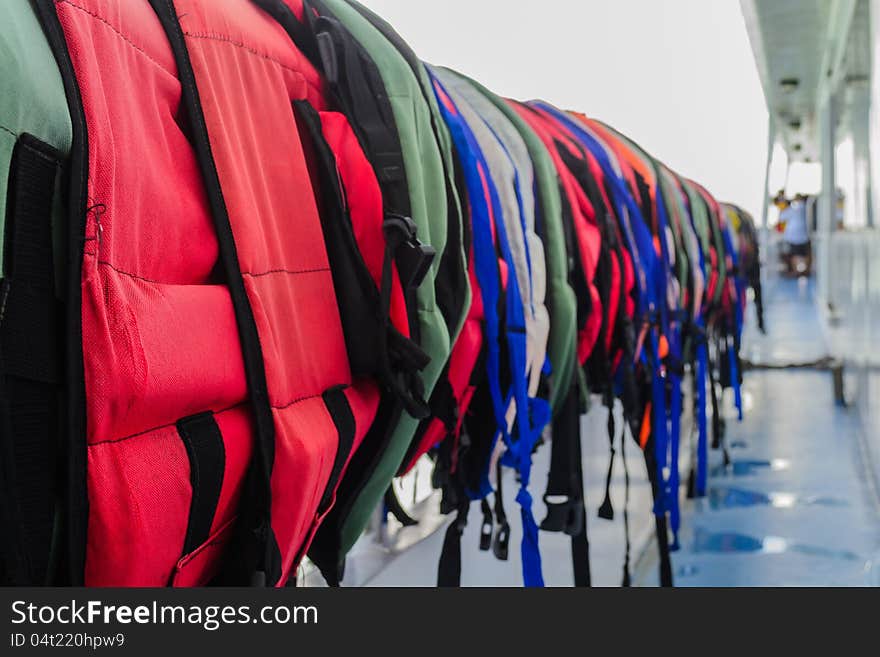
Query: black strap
point(336, 403)
point(501, 543)
point(606, 511)
point(395, 508)
point(692, 470)
point(449, 565)
point(627, 578)
point(256, 557)
point(30, 369)
point(486, 527)
point(718, 424)
point(299, 33)
point(375, 347)
point(580, 545)
point(564, 497)
point(560, 492)
point(346, 428)
point(451, 277)
point(207, 462)
point(660, 521)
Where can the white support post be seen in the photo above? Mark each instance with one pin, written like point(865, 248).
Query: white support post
point(827, 201)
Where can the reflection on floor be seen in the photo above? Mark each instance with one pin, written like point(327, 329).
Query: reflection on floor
point(417, 566)
point(797, 506)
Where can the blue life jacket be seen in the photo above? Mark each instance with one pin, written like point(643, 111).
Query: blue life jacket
point(531, 413)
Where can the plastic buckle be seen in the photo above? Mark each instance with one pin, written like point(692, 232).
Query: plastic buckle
point(486, 534)
point(575, 523)
point(413, 257)
point(327, 50)
point(500, 546)
point(556, 519)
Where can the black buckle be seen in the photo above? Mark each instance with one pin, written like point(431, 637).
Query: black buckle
point(327, 50)
point(556, 519)
point(501, 545)
point(564, 517)
point(486, 528)
point(413, 258)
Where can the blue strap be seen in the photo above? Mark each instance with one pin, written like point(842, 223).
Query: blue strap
point(671, 331)
point(532, 414)
point(658, 424)
point(702, 416)
point(674, 475)
point(529, 550)
point(485, 258)
point(737, 325)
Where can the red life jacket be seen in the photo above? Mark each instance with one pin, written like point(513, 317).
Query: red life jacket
point(715, 264)
point(583, 220)
point(612, 268)
point(217, 403)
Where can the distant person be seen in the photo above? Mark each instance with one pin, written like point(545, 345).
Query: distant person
point(780, 201)
point(839, 209)
point(796, 236)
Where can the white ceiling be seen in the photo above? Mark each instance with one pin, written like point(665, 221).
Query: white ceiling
point(802, 49)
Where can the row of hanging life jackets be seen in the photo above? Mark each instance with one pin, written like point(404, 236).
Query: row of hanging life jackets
point(259, 259)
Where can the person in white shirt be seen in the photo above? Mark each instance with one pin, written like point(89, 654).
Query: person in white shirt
point(796, 236)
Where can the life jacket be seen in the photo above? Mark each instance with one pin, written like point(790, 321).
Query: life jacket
point(524, 415)
point(396, 125)
point(585, 233)
point(565, 490)
point(730, 321)
point(35, 141)
point(561, 303)
point(230, 446)
point(564, 496)
point(511, 169)
point(451, 396)
point(469, 469)
point(701, 218)
point(673, 321)
point(640, 407)
point(715, 246)
point(610, 271)
point(749, 258)
point(610, 366)
point(721, 321)
point(694, 343)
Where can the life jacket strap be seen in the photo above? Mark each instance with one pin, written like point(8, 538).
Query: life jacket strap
point(31, 368)
point(412, 257)
point(606, 511)
point(627, 579)
point(501, 544)
point(413, 260)
point(395, 508)
point(486, 527)
point(449, 566)
point(564, 496)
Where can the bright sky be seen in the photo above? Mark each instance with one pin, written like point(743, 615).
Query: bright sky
point(677, 76)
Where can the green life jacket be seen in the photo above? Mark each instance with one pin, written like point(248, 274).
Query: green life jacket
point(426, 178)
point(35, 140)
point(677, 215)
